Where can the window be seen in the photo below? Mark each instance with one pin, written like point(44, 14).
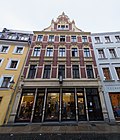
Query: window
point(4, 49)
point(107, 39)
point(75, 69)
point(51, 38)
point(47, 70)
point(23, 37)
point(118, 71)
point(40, 38)
point(112, 53)
point(101, 53)
point(11, 36)
point(97, 39)
point(61, 52)
point(86, 52)
point(84, 38)
point(36, 51)
point(49, 52)
point(74, 52)
point(106, 73)
point(32, 71)
point(73, 39)
point(89, 70)
point(1, 60)
point(62, 38)
point(12, 64)
point(5, 82)
point(62, 27)
point(117, 38)
point(61, 71)
point(18, 49)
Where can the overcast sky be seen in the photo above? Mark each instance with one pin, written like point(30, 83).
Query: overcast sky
point(33, 15)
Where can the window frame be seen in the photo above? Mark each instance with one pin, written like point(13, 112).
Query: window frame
point(117, 72)
point(9, 64)
point(87, 54)
point(73, 39)
point(62, 37)
point(109, 74)
point(64, 73)
point(74, 71)
point(49, 53)
point(62, 52)
point(51, 39)
point(47, 72)
point(93, 75)
point(74, 52)
point(84, 39)
point(39, 39)
point(15, 49)
point(30, 77)
point(107, 39)
point(101, 55)
point(97, 39)
point(37, 52)
point(1, 47)
point(117, 37)
point(112, 53)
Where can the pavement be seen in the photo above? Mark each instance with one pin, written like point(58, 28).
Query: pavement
point(81, 131)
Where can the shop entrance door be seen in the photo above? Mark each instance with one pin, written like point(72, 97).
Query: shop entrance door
point(94, 106)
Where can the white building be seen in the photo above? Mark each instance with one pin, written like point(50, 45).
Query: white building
point(107, 53)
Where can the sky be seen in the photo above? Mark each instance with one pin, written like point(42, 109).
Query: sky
point(35, 15)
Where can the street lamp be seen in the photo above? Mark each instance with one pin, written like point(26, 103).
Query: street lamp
point(60, 79)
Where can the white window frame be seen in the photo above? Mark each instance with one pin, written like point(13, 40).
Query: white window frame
point(62, 53)
point(9, 63)
point(1, 61)
point(2, 78)
point(6, 46)
point(15, 49)
point(51, 53)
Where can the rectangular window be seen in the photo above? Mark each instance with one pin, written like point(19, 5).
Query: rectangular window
point(86, 52)
point(62, 38)
point(24, 37)
point(4, 49)
point(61, 71)
point(118, 71)
point(107, 39)
point(73, 39)
point(1, 60)
point(6, 82)
point(47, 70)
point(51, 38)
point(75, 69)
point(36, 51)
point(84, 39)
point(89, 70)
point(11, 36)
point(13, 64)
point(117, 38)
point(74, 52)
point(112, 53)
point(32, 71)
point(106, 73)
point(40, 38)
point(49, 52)
point(101, 53)
point(18, 50)
point(97, 39)
point(61, 52)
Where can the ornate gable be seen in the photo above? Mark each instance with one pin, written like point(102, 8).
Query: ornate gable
point(62, 23)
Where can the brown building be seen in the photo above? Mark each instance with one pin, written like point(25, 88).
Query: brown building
point(60, 79)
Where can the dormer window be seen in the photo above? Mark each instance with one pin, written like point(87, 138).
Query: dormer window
point(62, 27)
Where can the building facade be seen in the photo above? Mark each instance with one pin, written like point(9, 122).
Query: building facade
point(13, 50)
point(60, 82)
point(107, 53)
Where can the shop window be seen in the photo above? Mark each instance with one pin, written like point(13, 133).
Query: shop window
point(47, 70)
point(61, 71)
point(118, 71)
point(89, 71)
point(25, 108)
point(74, 52)
point(36, 51)
point(61, 52)
point(115, 101)
point(68, 105)
point(52, 105)
point(106, 73)
point(86, 52)
point(32, 71)
point(75, 70)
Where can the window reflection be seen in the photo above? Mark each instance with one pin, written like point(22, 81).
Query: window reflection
point(39, 108)
point(52, 106)
point(26, 105)
point(68, 106)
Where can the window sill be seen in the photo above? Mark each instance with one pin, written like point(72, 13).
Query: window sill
point(17, 53)
point(3, 52)
point(102, 58)
point(108, 80)
point(11, 68)
point(108, 42)
point(1, 88)
point(114, 58)
point(99, 43)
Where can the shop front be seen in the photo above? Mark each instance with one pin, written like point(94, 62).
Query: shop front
point(59, 105)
